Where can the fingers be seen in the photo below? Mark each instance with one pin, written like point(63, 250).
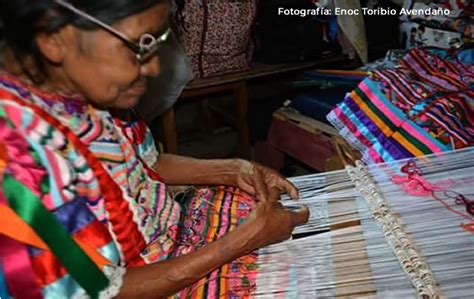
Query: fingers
point(274, 194)
point(263, 178)
point(260, 187)
point(274, 179)
point(300, 217)
point(247, 187)
point(273, 221)
point(288, 187)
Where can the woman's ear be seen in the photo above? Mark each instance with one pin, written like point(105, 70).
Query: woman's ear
point(54, 46)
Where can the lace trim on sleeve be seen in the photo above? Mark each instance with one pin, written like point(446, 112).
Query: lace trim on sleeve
point(115, 275)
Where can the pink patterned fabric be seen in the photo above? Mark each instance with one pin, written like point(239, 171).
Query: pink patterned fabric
point(216, 35)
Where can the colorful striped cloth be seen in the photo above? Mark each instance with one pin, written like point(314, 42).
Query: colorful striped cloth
point(424, 106)
point(209, 213)
point(79, 203)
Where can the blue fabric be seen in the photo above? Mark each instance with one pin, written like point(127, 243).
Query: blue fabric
point(347, 78)
point(3, 286)
point(82, 217)
point(466, 56)
point(318, 103)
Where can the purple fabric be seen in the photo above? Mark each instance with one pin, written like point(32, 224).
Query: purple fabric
point(393, 147)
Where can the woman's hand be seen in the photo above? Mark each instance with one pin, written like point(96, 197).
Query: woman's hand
point(267, 224)
point(257, 180)
point(272, 223)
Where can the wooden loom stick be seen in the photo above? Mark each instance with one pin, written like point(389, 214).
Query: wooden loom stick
point(344, 221)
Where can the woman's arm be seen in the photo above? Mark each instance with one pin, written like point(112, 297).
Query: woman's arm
point(269, 223)
point(179, 170)
point(168, 277)
point(250, 177)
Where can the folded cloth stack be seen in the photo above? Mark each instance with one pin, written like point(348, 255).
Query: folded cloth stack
point(424, 105)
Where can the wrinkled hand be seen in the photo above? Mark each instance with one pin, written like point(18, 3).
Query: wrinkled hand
point(257, 180)
point(272, 223)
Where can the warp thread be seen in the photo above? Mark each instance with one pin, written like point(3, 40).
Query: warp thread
point(415, 184)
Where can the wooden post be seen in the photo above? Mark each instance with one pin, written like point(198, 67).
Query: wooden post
point(241, 99)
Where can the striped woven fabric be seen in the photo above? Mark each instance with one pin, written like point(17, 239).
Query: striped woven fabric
point(424, 106)
point(209, 213)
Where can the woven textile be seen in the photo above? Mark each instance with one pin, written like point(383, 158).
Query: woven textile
point(423, 106)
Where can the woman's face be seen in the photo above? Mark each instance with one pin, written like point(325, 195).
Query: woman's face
point(102, 68)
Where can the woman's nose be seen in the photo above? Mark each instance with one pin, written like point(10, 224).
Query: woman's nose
point(151, 68)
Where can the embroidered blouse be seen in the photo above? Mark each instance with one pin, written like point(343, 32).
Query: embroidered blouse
point(91, 172)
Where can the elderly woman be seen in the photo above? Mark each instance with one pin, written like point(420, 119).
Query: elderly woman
point(86, 203)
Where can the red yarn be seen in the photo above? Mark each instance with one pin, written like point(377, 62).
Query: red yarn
point(414, 184)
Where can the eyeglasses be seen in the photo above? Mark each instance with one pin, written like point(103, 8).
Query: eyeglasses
point(147, 46)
